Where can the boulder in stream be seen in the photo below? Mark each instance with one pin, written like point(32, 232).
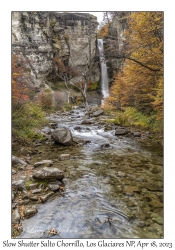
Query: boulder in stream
point(44, 163)
point(98, 113)
point(137, 134)
point(129, 190)
point(45, 197)
point(29, 211)
point(49, 173)
point(62, 136)
point(54, 187)
point(120, 131)
point(86, 122)
point(15, 217)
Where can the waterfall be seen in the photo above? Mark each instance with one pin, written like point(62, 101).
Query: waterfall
point(104, 72)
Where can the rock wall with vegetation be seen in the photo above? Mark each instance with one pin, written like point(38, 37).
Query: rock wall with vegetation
point(42, 36)
point(115, 42)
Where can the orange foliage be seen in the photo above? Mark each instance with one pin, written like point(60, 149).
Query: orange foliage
point(103, 31)
point(141, 83)
point(20, 89)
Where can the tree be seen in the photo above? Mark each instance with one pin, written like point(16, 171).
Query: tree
point(65, 73)
point(20, 81)
point(141, 81)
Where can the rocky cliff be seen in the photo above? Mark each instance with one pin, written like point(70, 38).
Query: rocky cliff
point(114, 43)
point(41, 36)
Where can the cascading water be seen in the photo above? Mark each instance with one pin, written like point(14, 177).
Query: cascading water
point(104, 72)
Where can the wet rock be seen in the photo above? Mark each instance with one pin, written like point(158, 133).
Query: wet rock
point(33, 186)
point(62, 136)
point(129, 190)
point(108, 128)
point(33, 197)
point(54, 187)
point(120, 131)
point(16, 217)
point(53, 125)
point(64, 157)
point(121, 174)
point(44, 163)
point(49, 173)
point(16, 160)
point(130, 204)
point(77, 128)
point(155, 204)
point(87, 122)
point(80, 141)
point(29, 211)
point(142, 224)
point(137, 134)
point(158, 220)
point(98, 113)
point(46, 196)
point(105, 145)
point(156, 170)
point(19, 185)
point(14, 205)
point(153, 187)
point(23, 202)
point(13, 171)
point(35, 191)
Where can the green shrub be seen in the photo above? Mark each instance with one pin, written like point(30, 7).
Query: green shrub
point(67, 107)
point(132, 117)
point(93, 86)
point(24, 122)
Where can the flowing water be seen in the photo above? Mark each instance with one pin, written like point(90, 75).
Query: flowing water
point(104, 73)
point(113, 187)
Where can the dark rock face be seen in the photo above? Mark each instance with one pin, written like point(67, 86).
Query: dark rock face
point(62, 136)
point(114, 43)
point(49, 173)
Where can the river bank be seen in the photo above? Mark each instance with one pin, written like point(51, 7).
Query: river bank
point(112, 185)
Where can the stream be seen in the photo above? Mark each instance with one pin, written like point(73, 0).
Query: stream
point(113, 186)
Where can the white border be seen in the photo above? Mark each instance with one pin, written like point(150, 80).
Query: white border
point(5, 93)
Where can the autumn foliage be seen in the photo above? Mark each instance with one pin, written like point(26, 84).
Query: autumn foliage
point(103, 31)
point(20, 81)
point(140, 84)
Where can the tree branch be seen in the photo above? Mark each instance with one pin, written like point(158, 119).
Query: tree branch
point(140, 63)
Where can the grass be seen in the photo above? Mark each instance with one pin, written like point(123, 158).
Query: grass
point(132, 117)
point(25, 120)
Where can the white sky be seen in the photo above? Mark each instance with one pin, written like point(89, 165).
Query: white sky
point(99, 15)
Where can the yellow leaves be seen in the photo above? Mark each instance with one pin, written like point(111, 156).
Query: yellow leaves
point(103, 31)
point(140, 84)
